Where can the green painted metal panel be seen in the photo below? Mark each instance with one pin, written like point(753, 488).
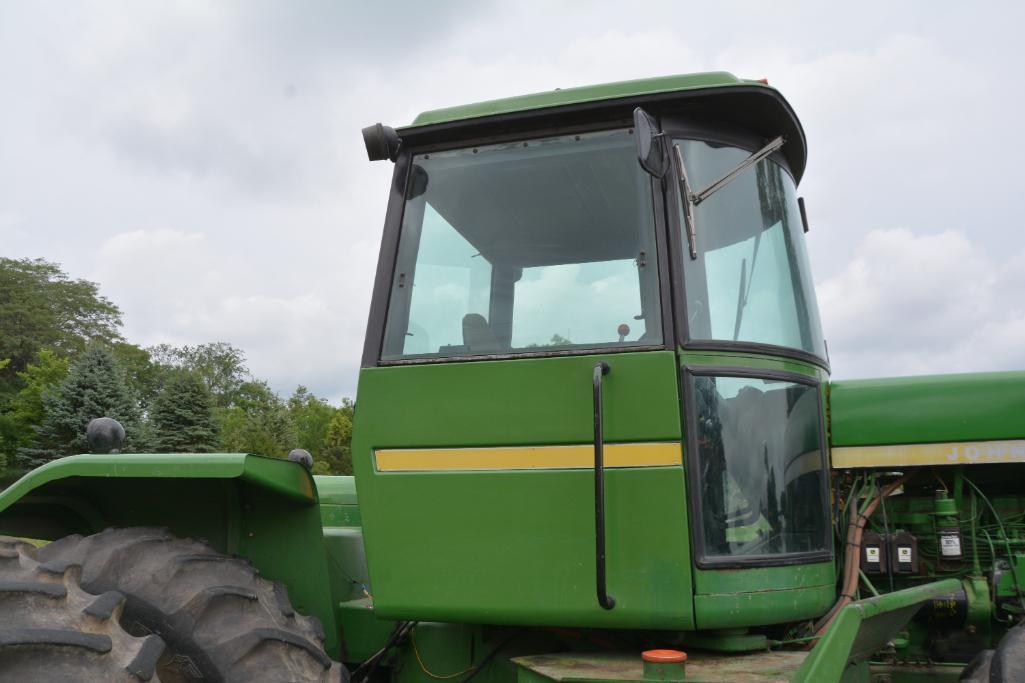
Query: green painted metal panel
point(512, 402)
point(338, 505)
point(772, 605)
point(757, 579)
point(334, 490)
point(513, 546)
point(363, 633)
point(209, 465)
point(262, 508)
point(929, 409)
point(590, 93)
point(762, 595)
point(340, 516)
point(349, 579)
point(863, 627)
point(447, 651)
point(518, 547)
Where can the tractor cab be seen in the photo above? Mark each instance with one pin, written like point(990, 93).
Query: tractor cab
point(591, 389)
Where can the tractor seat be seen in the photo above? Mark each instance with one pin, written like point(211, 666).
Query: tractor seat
point(477, 334)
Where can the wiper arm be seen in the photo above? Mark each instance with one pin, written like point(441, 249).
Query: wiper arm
point(729, 176)
point(692, 199)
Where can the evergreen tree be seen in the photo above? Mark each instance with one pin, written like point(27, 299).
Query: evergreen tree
point(95, 387)
point(182, 417)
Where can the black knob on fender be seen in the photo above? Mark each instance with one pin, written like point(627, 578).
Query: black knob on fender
point(105, 435)
point(302, 456)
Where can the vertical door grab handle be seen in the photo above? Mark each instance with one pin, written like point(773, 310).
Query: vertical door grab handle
point(604, 599)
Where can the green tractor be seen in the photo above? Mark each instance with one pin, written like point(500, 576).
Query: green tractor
point(595, 440)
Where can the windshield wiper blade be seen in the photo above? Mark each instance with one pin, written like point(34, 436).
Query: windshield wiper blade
point(741, 298)
point(698, 197)
point(687, 197)
point(746, 280)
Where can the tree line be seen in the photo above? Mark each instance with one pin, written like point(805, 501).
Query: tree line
point(63, 362)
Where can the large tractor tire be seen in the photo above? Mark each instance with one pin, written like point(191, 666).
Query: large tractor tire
point(52, 630)
point(196, 614)
point(1005, 664)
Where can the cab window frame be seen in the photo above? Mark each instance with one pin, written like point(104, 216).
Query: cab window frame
point(677, 127)
point(702, 560)
point(391, 245)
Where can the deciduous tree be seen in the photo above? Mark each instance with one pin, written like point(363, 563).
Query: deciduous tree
point(311, 417)
point(26, 410)
point(338, 443)
point(258, 422)
point(41, 307)
point(220, 366)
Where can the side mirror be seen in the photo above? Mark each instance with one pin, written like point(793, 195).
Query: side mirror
point(651, 152)
point(382, 142)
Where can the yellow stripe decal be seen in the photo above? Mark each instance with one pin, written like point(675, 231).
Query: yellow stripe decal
point(527, 457)
point(954, 453)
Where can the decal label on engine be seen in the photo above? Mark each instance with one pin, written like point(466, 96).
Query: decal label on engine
point(950, 545)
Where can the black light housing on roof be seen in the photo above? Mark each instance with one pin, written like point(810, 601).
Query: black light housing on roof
point(382, 142)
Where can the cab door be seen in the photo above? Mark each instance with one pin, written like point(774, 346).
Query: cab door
point(518, 268)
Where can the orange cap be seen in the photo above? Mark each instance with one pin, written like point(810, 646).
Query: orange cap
point(664, 656)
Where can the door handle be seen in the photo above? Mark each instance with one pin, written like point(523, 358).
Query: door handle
point(604, 599)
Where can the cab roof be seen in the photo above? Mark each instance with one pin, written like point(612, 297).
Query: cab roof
point(715, 96)
point(579, 95)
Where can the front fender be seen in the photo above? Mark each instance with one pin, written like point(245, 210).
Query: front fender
point(265, 509)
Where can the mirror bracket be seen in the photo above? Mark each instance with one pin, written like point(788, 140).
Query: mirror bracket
point(652, 153)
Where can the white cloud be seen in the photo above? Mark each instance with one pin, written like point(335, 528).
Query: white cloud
point(924, 303)
point(203, 161)
point(174, 287)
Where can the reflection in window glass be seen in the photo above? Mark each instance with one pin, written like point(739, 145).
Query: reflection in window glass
point(751, 281)
point(452, 281)
point(761, 469)
point(594, 300)
point(526, 246)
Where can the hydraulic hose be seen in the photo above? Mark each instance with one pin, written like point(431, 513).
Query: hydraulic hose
point(852, 559)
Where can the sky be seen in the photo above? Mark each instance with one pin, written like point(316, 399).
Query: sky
point(203, 162)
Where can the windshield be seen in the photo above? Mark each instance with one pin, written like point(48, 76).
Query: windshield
point(751, 281)
point(528, 246)
point(761, 487)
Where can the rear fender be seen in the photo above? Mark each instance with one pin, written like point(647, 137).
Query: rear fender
point(265, 509)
